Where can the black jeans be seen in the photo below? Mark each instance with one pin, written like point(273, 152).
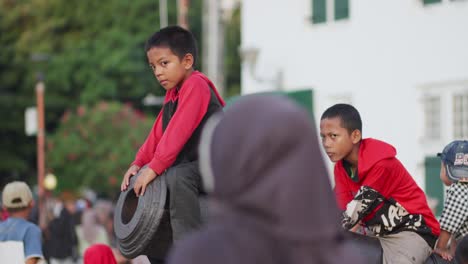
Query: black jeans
point(183, 206)
point(183, 182)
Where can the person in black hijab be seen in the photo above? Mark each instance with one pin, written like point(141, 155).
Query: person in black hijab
point(269, 190)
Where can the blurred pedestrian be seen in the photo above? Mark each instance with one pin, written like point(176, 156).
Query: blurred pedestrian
point(62, 240)
point(90, 232)
point(20, 240)
point(99, 254)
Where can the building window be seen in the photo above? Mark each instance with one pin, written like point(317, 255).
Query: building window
point(341, 9)
point(319, 11)
point(428, 2)
point(432, 117)
point(460, 115)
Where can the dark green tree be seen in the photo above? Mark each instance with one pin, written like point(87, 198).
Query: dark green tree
point(17, 151)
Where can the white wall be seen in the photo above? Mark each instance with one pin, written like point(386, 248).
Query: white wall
point(381, 58)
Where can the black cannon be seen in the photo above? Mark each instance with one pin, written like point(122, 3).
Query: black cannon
point(142, 224)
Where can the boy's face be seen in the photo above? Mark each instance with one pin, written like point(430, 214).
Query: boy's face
point(169, 70)
point(336, 140)
point(443, 174)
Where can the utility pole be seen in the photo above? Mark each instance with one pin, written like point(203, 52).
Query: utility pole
point(213, 43)
point(163, 22)
point(40, 105)
point(182, 13)
point(40, 87)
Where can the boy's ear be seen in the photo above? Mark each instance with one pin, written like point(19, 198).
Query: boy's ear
point(356, 136)
point(188, 61)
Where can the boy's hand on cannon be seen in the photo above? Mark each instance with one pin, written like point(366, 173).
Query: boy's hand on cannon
point(126, 179)
point(444, 253)
point(146, 176)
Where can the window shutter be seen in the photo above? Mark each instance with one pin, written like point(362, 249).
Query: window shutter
point(427, 2)
point(319, 11)
point(434, 186)
point(341, 9)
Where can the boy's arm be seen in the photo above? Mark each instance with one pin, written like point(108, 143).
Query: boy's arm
point(441, 247)
point(193, 103)
point(367, 198)
point(32, 260)
point(452, 217)
point(365, 201)
point(145, 153)
point(33, 245)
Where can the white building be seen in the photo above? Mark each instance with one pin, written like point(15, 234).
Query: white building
point(402, 63)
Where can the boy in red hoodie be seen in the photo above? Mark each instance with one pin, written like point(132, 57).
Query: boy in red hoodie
point(172, 145)
point(374, 189)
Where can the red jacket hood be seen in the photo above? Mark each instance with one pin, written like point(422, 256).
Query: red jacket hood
point(374, 151)
point(212, 86)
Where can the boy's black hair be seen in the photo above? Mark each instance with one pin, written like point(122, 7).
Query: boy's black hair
point(461, 254)
point(179, 40)
point(350, 118)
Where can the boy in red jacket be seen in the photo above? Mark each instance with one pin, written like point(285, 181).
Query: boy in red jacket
point(171, 146)
point(374, 189)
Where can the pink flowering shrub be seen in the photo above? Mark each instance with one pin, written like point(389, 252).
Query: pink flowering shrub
point(93, 147)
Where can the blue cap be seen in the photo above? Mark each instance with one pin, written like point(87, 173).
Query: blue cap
point(455, 157)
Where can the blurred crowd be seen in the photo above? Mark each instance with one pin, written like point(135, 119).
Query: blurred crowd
point(71, 224)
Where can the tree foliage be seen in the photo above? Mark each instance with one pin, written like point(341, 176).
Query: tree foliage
point(94, 146)
point(16, 149)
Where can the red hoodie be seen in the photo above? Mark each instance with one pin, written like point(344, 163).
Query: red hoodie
point(165, 143)
point(384, 196)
